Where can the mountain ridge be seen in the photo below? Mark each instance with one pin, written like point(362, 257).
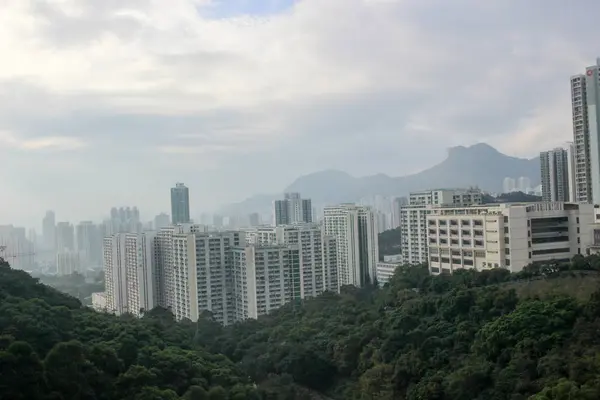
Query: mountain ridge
point(478, 165)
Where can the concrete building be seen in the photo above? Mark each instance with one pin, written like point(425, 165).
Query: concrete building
point(317, 269)
point(508, 185)
point(524, 184)
point(180, 204)
point(202, 274)
point(585, 101)
point(49, 231)
point(99, 301)
point(89, 244)
point(254, 219)
point(162, 220)
point(65, 237)
point(123, 220)
point(265, 278)
point(413, 218)
point(355, 230)
point(16, 249)
point(554, 166)
point(507, 235)
point(69, 262)
point(292, 210)
point(130, 272)
point(387, 268)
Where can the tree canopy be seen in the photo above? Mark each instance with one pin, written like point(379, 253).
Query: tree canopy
point(471, 335)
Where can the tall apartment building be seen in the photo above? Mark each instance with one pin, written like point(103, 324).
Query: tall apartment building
point(509, 185)
point(554, 165)
point(319, 269)
point(292, 210)
point(585, 92)
point(89, 243)
point(507, 235)
point(49, 231)
point(357, 251)
point(265, 278)
point(413, 218)
point(180, 204)
point(69, 262)
point(129, 270)
point(65, 237)
point(209, 274)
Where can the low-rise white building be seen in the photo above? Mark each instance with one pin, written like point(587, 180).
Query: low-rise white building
point(387, 268)
point(507, 235)
point(99, 301)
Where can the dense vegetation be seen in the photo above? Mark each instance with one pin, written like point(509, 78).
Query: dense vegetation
point(467, 336)
point(53, 348)
point(389, 243)
point(513, 197)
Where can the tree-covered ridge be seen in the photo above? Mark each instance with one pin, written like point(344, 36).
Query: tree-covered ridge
point(467, 336)
point(53, 348)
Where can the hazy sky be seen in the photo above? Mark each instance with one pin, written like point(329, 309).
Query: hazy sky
point(110, 102)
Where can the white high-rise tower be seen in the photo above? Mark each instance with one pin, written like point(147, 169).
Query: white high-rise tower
point(585, 101)
point(355, 230)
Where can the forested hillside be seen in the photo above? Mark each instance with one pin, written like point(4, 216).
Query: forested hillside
point(463, 337)
point(53, 348)
point(467, 336)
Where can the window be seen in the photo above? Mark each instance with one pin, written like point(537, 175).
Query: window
point(506, 229)
point(507, 251)
point(507, 262)
point(506, 240)
point(506, 219)
point(551, 251)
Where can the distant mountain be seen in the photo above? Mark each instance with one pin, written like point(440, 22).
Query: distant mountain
point(478, 165)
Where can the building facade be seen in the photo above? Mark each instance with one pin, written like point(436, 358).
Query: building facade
point(355, 231)
point(507, 236)
point(292, 210)
point(585, 101)
point(129, 271)
point(554, 166)
point(413, 218)
point(265, 278)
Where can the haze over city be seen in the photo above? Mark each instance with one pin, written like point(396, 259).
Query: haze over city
point(110, 103)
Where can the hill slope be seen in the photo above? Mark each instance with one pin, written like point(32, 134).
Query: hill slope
point(469, 336)
point(53, 348)
point(479, 165)
point(464, 337)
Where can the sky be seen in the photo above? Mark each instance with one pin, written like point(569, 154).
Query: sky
point(111, 102)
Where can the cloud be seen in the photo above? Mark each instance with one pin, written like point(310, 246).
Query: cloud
point(237, 97)
point(52, 143)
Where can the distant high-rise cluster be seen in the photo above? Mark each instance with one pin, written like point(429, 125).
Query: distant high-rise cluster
point(232, 274)
point(521, 184)
point(124, 220)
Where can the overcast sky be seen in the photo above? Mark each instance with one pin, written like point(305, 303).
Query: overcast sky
point(110, 102)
